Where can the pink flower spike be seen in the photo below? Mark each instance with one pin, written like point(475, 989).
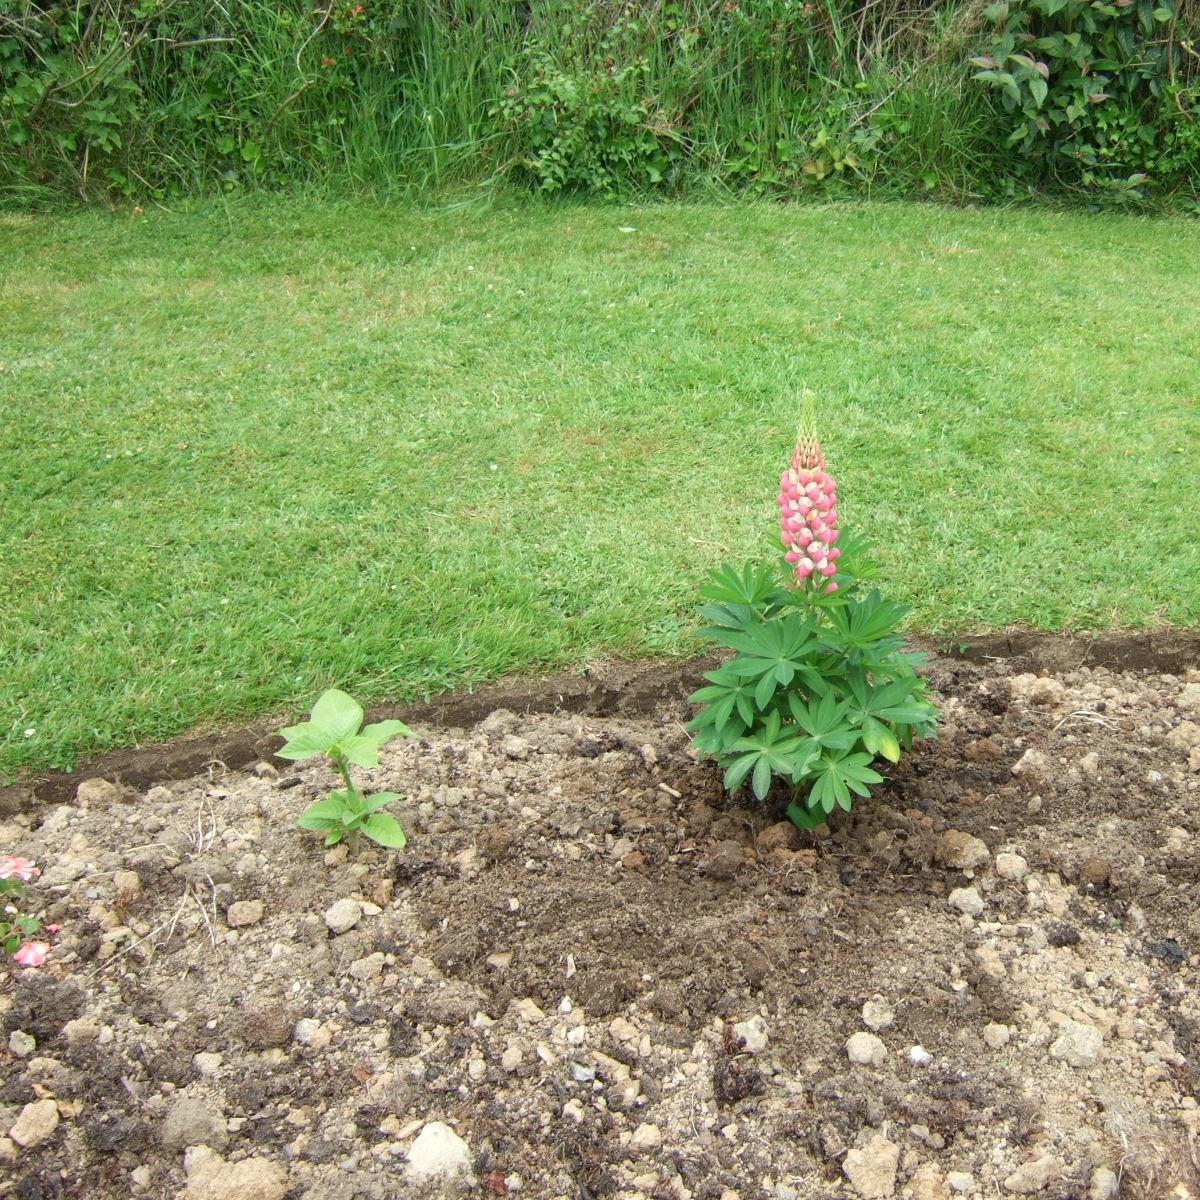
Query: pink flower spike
point(828, 570)
point(32, 954)
point(14, 867)
point(834, 554)
point(830, 588)
point(792, 556)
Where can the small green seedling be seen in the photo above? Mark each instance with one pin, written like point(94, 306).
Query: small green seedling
point(335, 730)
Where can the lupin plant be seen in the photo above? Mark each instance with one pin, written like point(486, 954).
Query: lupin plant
point(820, 684)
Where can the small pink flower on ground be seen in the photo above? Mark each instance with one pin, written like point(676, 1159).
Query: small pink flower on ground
point(32, 954)
point(51, 928)
point(14, 867)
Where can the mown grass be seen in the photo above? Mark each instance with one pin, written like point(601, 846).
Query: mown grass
point(252, 451)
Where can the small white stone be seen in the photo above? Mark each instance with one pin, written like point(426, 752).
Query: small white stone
point(1033, 1176)
point(1011, 866)
point(752, 1034)
point(872, 1168)
point(22, 1044)
point(1077, 1044)
point(370, 967)
point(306, 1030)
point(207, 1063)
point(646, 1137)
point(342, 915)
point(438, 1154)
point(37, 1122)
point(996, 1036)
point(966, 900)
point(512, 1058)
point(1104, 1185)
point(866, 1050)
point(877, 1014)
point(962, 1182)
point(528, 1011)
point(243, 913)
point(919, 1056)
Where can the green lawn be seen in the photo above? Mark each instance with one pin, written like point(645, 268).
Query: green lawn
point(250, 452)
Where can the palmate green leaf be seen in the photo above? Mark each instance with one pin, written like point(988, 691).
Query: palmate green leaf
point(837, 775)
point(739, 769)
point(773, 749)
point(727, 616)
point(824, 720)
point(753, 585)
point(865, 621)
point(385, 830)
point(726, 699)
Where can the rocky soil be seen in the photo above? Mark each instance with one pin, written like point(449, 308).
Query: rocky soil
point(592, 975)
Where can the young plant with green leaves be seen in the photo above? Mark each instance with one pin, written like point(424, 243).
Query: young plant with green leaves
point(336, 731)
point(820, 684)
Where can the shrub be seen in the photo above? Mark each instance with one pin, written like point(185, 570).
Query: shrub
point(1082, 84)
point(820, 683)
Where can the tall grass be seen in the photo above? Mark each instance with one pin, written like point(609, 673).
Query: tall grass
point(396, 95)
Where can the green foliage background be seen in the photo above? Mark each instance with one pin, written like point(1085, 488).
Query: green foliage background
point(161, 98)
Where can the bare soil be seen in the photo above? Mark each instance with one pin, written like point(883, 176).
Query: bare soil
point(612, 981)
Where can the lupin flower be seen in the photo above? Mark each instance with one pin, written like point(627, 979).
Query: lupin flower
point(808, 514)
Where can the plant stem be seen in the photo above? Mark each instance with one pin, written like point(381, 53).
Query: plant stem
point(352, 793)
point(343, 768)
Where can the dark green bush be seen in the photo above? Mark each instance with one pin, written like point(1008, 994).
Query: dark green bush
point(167, 97)
point(1087, 88)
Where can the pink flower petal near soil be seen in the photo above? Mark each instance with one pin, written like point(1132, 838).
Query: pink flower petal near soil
point(808, 513)
point(14, 867)
point(32, 954)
